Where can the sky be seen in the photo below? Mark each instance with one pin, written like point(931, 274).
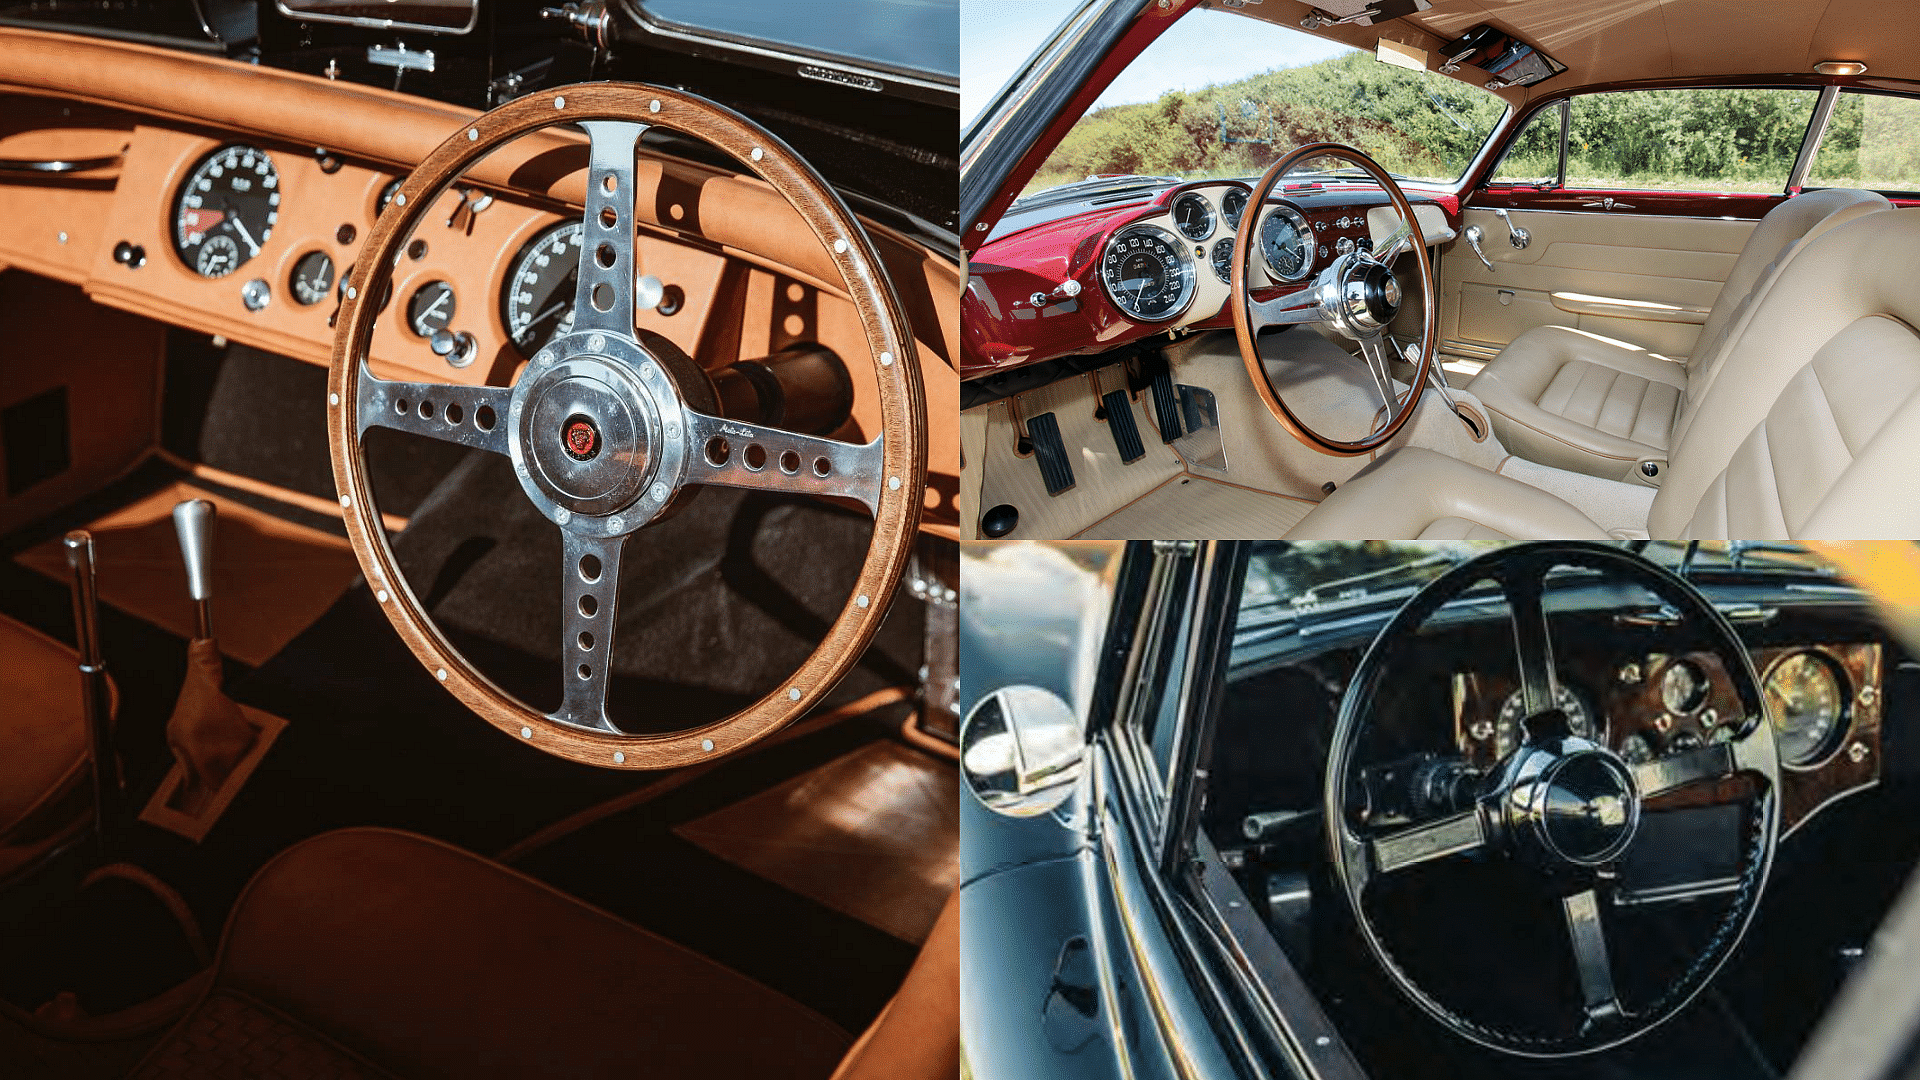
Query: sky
point(1204, 47)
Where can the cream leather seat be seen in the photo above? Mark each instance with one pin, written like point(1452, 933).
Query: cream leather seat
point(1579, 401)
point(1819, 436)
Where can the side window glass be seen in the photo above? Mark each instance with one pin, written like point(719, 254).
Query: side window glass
point(1872, 141)
point(1533, 157)
point(1709, 139)
point(1163, 721)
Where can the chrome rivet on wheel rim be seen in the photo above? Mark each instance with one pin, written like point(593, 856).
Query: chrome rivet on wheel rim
point(560, 103)
point(654, 105)
point(619, 757)
point(862, 602)
point(706, 744)
point(441, 674)
point(793, 694)
point(526, 733)
point(473, 135)
point(381, 596)
point(886, 359)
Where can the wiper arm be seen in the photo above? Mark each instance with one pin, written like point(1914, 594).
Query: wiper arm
point(1345, 174)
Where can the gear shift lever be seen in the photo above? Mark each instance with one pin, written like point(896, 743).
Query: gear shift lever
point(96, 702)
point(193, 523)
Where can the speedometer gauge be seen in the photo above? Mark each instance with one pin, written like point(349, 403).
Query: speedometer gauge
point(225, 210)
point(1507, 733)
point(1807, 700)
point(1147, 273)
point(1287, 243)
point(1193, 216)
point(536, 300)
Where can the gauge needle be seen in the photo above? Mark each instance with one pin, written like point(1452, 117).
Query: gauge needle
point(241, 225)
point(434, 308)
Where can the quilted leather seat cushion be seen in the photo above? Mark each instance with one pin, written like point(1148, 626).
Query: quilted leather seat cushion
point(1579, 401)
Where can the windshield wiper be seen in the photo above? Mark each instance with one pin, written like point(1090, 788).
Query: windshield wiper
point(1346, 174)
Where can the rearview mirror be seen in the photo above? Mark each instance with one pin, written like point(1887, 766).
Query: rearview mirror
point(437, 16)
point(1022, 750)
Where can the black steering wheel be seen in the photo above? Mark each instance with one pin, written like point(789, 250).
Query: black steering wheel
point(1552, 823)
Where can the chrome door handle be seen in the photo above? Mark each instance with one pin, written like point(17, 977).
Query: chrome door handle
point(1473, 235)
point(1608, 204)
point(1516, 236)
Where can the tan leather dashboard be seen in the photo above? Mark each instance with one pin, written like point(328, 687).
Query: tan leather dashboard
point(753, 276)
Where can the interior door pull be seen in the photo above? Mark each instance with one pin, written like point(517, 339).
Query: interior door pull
point(1473, 235)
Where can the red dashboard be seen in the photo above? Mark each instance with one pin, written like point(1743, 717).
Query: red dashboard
point(1038, 291)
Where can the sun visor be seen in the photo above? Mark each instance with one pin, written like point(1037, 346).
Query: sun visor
point(1508, 60)
point(1360, 12)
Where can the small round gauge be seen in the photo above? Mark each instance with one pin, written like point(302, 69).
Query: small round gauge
point(386, 196)
point(431, 308)
point(1506, 727)
point(1807, 698)
point(1286, 243)
point(386, 293)
point(312, 278)
point(1684, 687)
point(1232, 205)
point(536, 300)
point(1193, 216)
point(1635, 751)
point(225, 210)
point(218, 256)
point(1147, 273)
point(1223, 259)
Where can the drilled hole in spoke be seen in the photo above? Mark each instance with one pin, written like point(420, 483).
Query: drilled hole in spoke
point(609, 183)
point(605, 256)
point(590, 568)
point(822, 467)
point(789, 462)
point(402, 406)
point(603, 297)
point(483, 418)
point(426, 410)
point(586, 671)
point(589, 607)
point(755, 456)
point(608, 219)
point(718, 451)
point(455, 414)
point(586, 641)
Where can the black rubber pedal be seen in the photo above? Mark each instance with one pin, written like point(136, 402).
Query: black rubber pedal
point(1055, 467)
point(1166, 406)
point(1126, 434)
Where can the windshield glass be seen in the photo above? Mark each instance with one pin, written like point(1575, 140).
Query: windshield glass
point(916, 35)
point(1221, 95)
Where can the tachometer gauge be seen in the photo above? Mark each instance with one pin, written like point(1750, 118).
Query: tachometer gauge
point(431, 308)
point(1506, 728)
point(1223, 259)
point(225, 210)
point(1287, 244)
point(536, 300)
point(1147, 273)
point(312, 278)
point(1232, 204)
point(1193, 216)
point(1807, 699)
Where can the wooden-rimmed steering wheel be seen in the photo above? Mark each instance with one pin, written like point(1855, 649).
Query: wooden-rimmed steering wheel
point(608, 428)
point(1357, 294)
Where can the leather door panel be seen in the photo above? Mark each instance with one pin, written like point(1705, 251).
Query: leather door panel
point(1675, 262)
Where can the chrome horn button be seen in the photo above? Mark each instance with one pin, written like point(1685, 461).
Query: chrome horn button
point(588, 438)
point(598, 434)
point(1581, 807)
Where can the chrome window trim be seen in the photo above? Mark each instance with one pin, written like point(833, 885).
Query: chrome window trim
point(1810, 145)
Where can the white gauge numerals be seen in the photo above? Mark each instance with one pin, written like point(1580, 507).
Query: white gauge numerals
point(1147, 273)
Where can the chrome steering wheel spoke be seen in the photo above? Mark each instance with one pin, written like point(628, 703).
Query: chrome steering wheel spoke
point(589, 601)
point(1587, 934)
point(1374, 352)
point(473, 416)
point(1295, 308)
point(1455, 834)
point(732, 453)
point(1396, 243)
point(604, 300)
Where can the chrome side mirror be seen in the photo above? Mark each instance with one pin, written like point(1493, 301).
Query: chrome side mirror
point(1022, 749)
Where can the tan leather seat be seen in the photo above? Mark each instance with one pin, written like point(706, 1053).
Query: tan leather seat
point(1576, 400)
point(43, 768)
point(1819, 436)
point(371, 952)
